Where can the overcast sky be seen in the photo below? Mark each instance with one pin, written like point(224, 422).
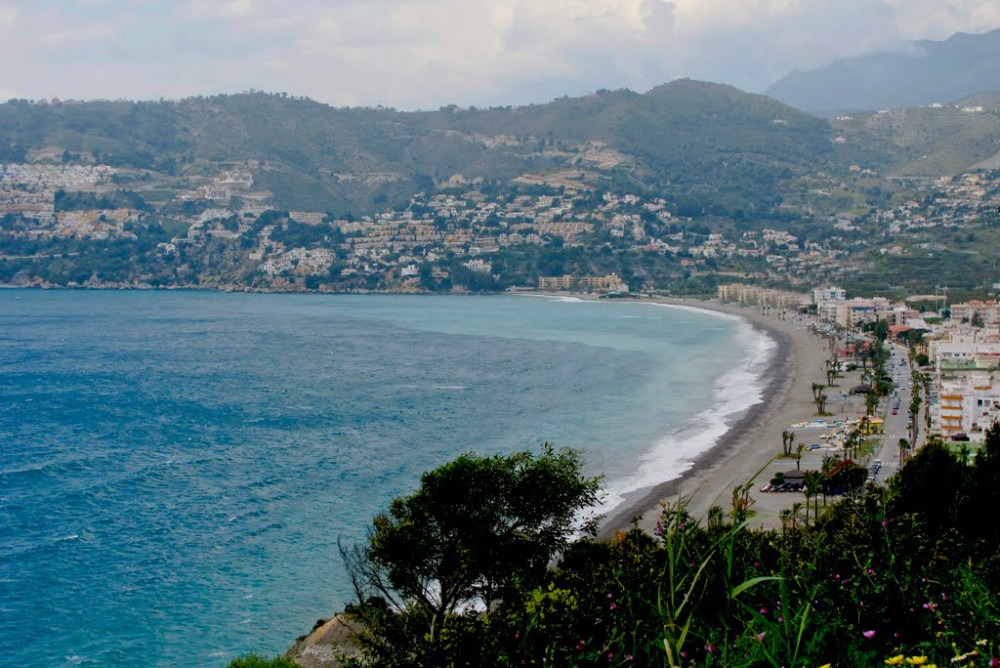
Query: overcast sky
point(424, 54)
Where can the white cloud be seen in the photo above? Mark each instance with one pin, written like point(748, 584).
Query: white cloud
point(426, 53)
point(8, 15)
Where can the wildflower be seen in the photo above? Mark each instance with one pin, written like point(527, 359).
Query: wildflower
point(781, 618)
point(709, 648)
point(611, 655)
point(930, 606)
point(994, 662)
point(628, 657)
point(517, 636)
point(760, 636)
point(869, 634)
point(613, 606)
point(894, 661)
point(885, 523)
point(611, 595)
point(981, 643)
point(916, 660)
point(825, 665)
point(763, 611)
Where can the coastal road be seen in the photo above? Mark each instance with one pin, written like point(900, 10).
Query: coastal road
point(895, 426)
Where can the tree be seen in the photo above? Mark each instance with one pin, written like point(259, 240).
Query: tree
point(787, 440)
point(474, 527)
point(813, 483)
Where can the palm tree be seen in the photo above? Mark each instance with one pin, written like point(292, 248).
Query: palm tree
point(821, 404)
point(796, 511)
point(871, 401)
point(812, 483)
point(787, 519)
point(798, 456)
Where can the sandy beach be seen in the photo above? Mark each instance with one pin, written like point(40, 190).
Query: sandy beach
point(753, 444)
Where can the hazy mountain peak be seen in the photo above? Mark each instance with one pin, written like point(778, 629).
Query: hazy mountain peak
point(921, 73)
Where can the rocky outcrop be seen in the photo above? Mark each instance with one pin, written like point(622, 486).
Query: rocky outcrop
point(327, 644)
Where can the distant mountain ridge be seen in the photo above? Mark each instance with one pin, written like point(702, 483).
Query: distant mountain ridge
point(924, 73)
point(711, 147)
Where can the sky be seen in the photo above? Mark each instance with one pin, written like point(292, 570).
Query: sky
point(424, 54)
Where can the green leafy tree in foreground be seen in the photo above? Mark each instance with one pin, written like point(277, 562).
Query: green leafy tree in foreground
point(474, 529)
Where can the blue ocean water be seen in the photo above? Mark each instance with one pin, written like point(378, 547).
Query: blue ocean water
point(176, 467)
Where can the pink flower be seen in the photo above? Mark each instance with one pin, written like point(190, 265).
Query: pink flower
point(869, 634)
point(613, 606)
point(763, 611)
point(885, 523)
point(781, 618)
point(760, 636)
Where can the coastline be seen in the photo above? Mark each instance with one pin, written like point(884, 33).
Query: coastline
point(752, 441)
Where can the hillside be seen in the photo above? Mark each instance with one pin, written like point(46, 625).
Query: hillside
point(933, 141)
point(713, 148)
point(922, 73)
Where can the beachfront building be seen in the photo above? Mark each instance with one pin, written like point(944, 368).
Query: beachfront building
point(967, 406)
point(850, 313)
point(609, 283)
point(988, 311)
point(752, 295)
point(961, 350)
point(831, 293)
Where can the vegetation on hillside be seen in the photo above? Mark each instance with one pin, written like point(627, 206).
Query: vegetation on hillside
point(908, 575)
point(721, 150)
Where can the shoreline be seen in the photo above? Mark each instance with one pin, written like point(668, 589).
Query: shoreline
point(752, 441)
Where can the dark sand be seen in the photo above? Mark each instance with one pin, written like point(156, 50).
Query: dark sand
point(753, 444)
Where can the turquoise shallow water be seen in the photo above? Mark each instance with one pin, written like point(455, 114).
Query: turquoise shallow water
point(176, 467)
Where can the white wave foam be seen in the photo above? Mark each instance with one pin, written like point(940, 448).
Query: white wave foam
point(736, 391)
point(561, 298)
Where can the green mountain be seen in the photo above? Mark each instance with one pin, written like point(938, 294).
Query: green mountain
point(712, 149)
point(922, 73)
point(938, 140)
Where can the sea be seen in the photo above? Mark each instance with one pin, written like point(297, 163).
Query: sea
point(177, 467)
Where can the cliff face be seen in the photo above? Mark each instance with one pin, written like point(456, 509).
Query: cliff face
point(326, 644)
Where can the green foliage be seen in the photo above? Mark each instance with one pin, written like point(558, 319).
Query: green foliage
point(121, 199)
point(909, 570)
point(475, 530)
point(255, 661)
point(713, 149)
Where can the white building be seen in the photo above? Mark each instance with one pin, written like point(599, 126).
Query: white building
point(968, 406)
point(831, 293)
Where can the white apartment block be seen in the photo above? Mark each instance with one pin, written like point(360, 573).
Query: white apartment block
point(968, 406)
